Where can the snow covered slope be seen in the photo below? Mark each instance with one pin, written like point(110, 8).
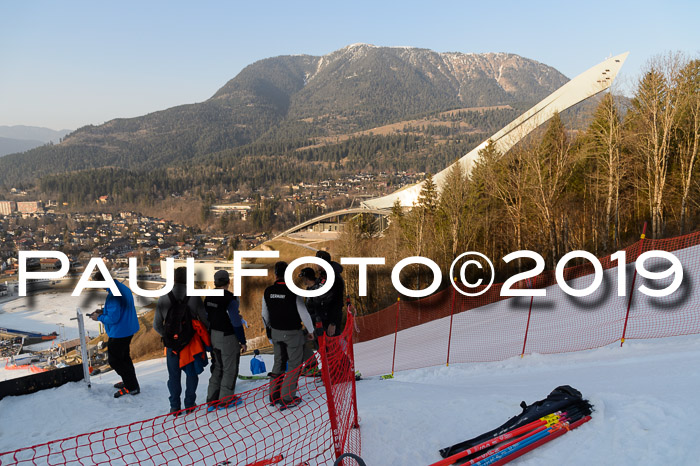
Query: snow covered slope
point(647, 411)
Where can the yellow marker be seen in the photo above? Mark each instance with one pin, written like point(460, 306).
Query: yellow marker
point(643, 236)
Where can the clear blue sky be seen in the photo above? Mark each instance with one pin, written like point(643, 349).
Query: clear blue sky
point(67, 64)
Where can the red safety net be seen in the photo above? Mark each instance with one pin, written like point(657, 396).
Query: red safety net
point(315, 432)
point(449, 327)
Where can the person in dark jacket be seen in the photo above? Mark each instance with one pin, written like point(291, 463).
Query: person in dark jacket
point(121, 323)
point(310, 282)
point(172, 358)
point(228, 340)
point(328, 307)
point(284, 312)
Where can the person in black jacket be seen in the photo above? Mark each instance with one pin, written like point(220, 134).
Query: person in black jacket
point(228, 340)
point(328, 308)
point(309, 281)
point(172, 359)
point(284, 312)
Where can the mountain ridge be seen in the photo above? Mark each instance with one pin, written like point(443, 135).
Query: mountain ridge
point(33, 133)
point(293, 98)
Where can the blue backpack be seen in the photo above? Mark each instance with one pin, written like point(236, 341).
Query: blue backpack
point(257, 366)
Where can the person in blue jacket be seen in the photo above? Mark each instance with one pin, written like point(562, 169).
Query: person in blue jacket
point(257, 365)
point(121, 323)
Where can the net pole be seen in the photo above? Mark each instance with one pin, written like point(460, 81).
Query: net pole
point(452, 311)
point(328, 383)
point(396, 332)
point(83, 347)
point(529, 315)
point(634, 277)
point(527, 327)
point(356, 423)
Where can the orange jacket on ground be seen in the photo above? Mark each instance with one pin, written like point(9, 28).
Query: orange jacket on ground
point(195, 351)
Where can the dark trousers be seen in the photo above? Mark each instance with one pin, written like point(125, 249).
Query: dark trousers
point(226, 357)
point(119, 358)
point(172, 360)
point(288, 348)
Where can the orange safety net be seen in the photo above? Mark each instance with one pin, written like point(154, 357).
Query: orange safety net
point(315, 432)
point(448, 327)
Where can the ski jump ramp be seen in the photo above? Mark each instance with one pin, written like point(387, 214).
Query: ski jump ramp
point(587, 84)
point(583, 86)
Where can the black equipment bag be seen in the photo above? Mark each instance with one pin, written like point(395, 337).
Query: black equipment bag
point(562, 398)
point(178, 324)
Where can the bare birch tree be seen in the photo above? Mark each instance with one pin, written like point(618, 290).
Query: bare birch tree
point(688, 131)
point(653, 118)
point(505, 179)
point(550, 169)
point(605, 144)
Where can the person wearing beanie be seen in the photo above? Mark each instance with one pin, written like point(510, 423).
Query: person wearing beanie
point(310, 281)
point(228, 341)
point(328, 308)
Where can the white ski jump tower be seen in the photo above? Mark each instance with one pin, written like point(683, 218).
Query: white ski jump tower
point(583, 86)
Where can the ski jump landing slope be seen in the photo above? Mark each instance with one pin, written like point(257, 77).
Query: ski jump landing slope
point(583, 86)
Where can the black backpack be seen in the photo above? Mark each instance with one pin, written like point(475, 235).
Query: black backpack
point(564, 397)
point(178, 324)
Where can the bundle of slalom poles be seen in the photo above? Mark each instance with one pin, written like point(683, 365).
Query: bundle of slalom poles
point(505, 446)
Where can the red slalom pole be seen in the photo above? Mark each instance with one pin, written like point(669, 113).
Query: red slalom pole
point(634, 277)
point(542, 422)
point(552, 425)
point(556, 433)
point(493, 451)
